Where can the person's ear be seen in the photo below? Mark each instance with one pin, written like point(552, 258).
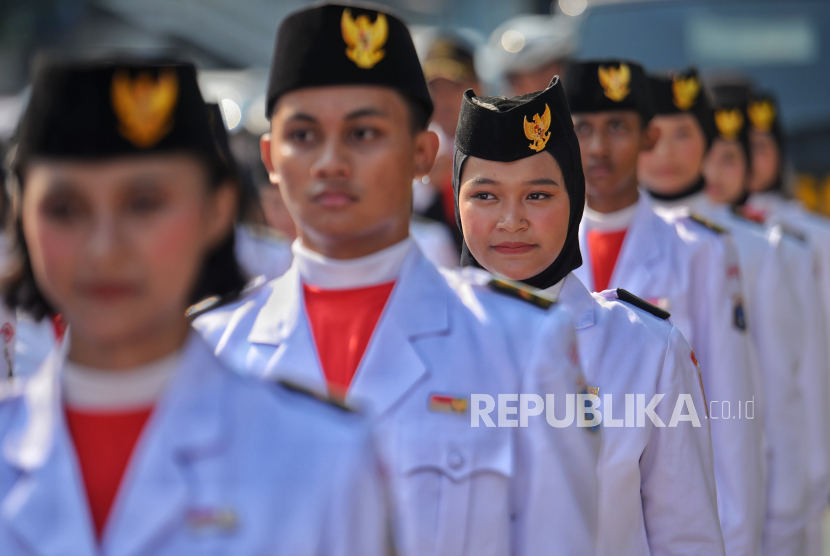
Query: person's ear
point(265, 154)
point(426, 149)
point(222, 206)
point(650, 136)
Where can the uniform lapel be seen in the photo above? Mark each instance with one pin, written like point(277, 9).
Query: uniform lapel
point(187, 425)
point(418, 307)
point(46, 507)
point(640, 250)
point(283, 323)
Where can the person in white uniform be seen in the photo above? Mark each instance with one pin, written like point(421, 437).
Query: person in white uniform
point(132, 438)
point(520, 194)
point(363, 315)
point(786, 347)
point(626, 244)
point(769, 204)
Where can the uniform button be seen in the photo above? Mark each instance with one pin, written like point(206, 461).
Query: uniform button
point(455, 460)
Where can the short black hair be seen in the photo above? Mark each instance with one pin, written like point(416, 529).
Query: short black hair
point(419, 115)
point(221, 275)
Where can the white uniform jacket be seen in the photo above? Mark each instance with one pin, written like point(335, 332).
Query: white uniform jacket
point(225, 465)
point(687, 276)
point(811, 275)
point(457, 489)
point(773, 308)
point(656, 483)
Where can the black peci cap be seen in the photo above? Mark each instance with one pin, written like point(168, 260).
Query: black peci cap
point(683, 93)
point(345, 45)
point(608, 85)
point(108, 108)
point(731, 118)
point(508, 129)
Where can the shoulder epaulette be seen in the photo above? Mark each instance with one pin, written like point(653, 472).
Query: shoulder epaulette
point(793, 233)
point(628, 297)
point(521, 291)
point(707, 223)
point(202, 307)
point(297, 389)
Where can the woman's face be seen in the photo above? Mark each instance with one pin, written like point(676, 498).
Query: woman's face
point(766, 161)
point(117, 246)
point(725, 170)
point(514, 214)
point(676, 160)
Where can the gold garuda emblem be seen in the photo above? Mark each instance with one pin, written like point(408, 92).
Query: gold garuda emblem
point(615, 81)
point(537, 130)
point(144, 106)
point(685, 92)
point(729, 123)
point(761, 115)
point(364, 39)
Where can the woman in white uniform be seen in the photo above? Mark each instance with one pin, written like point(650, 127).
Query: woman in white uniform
point(520, 192)
point(132, 437)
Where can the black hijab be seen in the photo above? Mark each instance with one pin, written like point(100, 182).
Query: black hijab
point(507, 129)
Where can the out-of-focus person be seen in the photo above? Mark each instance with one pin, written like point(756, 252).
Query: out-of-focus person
point(528, 50)
point(262, 251)
point(683, 269)
point(132, 437)
point(364, 316)
point(707, 177)
point(449, 68)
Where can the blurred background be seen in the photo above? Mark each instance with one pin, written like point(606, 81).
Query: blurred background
point(782, 46)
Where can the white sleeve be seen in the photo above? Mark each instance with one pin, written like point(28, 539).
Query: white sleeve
point(679, 459)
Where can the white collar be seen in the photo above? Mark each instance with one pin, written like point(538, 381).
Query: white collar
point(85, 388)
point(340, 274)
point(554, 290)
point(610, 221)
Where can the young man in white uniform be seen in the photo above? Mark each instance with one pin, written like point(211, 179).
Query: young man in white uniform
point(685, 272)
point(519, 206)
point(363, 315)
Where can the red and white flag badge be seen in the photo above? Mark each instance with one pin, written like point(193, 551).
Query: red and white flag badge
point(447, 403)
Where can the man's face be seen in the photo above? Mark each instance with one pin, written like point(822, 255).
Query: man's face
point(344, 159)
point(610, 143)
point(530, 81)
point(446, 96)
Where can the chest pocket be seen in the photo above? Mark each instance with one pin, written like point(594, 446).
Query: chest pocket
point(454, 489)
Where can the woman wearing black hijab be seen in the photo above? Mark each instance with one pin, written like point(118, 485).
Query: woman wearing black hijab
point(519, 192)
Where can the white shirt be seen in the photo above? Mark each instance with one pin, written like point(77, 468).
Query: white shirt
point(225, 465)
point(456, 489)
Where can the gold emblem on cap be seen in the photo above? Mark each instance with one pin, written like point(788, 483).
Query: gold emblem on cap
point(685, 92)
point(761, 115)
point(615, 81)
point(537, 130)
point(729, 122)
point(365, 40)
point(144, 106)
